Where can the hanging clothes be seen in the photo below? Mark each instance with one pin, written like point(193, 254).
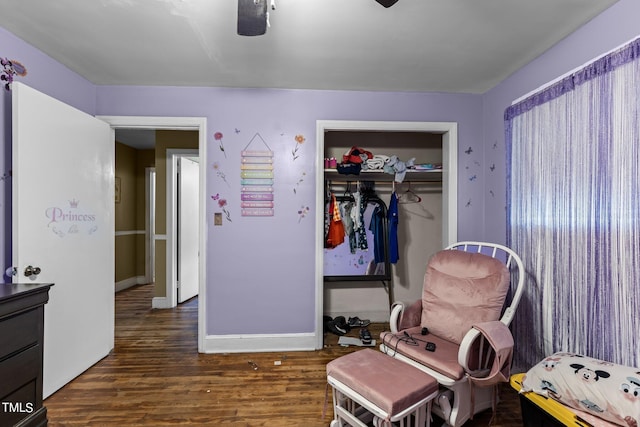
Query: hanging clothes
point(327, 220)
point(377, 229)
point(392, 215)
point(347, 220)
point(355, 212)
point(358, 221)
point(335, 236)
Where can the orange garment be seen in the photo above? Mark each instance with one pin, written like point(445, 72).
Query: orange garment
point(335, 236)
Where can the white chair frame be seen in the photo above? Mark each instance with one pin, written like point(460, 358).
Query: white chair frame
point(352, 409)
point(453, 404)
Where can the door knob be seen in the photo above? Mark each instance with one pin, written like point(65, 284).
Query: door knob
point(31, 271)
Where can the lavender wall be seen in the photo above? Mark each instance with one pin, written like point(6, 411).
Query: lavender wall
point(615, 26)
point(260, 271)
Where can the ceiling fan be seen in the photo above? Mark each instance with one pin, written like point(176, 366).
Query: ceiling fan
point(387, 3)
point(253, 17)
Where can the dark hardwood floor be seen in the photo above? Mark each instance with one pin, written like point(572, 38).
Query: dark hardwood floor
point(156, 377)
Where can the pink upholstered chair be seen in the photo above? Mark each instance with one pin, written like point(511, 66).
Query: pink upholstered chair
point(468, 283)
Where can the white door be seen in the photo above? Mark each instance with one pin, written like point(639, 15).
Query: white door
point(150, 208)
point(63, 223)
point(188, 233)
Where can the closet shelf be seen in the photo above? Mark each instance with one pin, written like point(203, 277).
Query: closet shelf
point(434, 175)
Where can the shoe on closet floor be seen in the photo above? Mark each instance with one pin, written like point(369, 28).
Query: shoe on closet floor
point(365, 336)
point(338, 326)
point(356, 322)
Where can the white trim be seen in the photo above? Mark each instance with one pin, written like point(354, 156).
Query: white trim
point(129, 233)
point(131, 281)
point(259, 343)
point(160, 237)
point(202, 296)
point(180, 123)
point(159, 302)
point(449, 131)
point(153, 122)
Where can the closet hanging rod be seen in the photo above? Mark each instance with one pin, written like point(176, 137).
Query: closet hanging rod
point(419, 182)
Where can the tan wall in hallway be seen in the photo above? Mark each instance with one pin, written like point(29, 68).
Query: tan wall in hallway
point(125, 213)
point(129, 212)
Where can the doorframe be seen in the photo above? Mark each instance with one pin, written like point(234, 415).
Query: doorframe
point(178, 123)
point(449, 132)
point(173, 154)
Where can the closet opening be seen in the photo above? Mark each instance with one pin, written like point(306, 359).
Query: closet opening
point(348, 278)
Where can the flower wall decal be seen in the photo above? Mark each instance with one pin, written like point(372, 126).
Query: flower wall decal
point(300, 139)
point(295, 189)
point(220, 173)
point(218, 137)
point(304, 210)
point(222, 204)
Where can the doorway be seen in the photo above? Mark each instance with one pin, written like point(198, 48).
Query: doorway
point(448, 132)
point(165, 238)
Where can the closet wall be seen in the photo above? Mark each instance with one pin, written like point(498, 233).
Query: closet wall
point(420, 224)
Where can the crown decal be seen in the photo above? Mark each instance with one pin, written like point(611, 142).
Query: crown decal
point(73, 203)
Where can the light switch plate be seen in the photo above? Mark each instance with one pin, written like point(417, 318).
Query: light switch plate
point(217, 218)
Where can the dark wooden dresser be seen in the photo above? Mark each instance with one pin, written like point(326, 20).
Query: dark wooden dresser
point(21, 346)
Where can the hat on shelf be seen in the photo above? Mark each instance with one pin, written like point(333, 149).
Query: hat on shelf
point(356, 155)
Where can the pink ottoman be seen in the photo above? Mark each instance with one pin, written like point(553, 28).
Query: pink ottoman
point(371, 386)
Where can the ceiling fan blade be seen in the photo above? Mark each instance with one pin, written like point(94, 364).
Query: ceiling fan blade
point(252, 17)
point(387, 3)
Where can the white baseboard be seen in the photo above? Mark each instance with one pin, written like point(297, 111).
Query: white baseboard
point(259, 343)
point(160, 302)
point(131, 281)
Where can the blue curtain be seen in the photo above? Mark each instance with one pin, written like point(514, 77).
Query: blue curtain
point(573, 183)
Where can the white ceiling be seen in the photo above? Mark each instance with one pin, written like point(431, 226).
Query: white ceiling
point(463, 46)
